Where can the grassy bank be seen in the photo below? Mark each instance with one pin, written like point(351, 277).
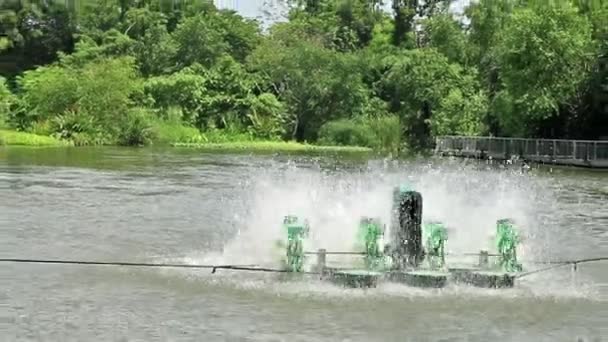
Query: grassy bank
point(14, 138)
point(273, 146)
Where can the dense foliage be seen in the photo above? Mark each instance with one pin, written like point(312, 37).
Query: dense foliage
point(344, 72)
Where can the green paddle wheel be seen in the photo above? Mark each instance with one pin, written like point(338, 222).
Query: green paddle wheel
point(435, 236)
point(369, 236)
point(507, 240)
point(297, 230)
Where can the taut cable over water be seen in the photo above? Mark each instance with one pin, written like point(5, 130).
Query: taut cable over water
point(254, 268)
point(138, 264)
point(413, 254)
point(557, 264)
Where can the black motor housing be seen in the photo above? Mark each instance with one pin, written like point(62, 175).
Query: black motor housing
point(405, 246)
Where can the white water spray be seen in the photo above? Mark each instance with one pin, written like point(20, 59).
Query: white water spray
point(467, 200)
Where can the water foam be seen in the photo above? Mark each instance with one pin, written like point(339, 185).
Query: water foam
point(467, 198)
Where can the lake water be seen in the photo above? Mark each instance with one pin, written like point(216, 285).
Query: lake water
point(185, 206)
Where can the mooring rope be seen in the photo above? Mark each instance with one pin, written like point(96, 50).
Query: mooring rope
point(161, 265)
point(253, 268)
point(557, 264)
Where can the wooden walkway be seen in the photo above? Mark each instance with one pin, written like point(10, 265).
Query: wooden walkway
point(585, 153)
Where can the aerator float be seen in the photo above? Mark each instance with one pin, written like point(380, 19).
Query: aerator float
point(414, 253)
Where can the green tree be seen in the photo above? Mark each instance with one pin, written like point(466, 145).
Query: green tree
point(98, 17)
point(242, 35)
point(356, 21)
point(589, 117)
point(344, 71)
point(156, 52)
point(268, 117)
point(89, 99)
point(544, 53)
point(218, 97)
point(429, 93)
point(184, 90)
point(404, 11)
point(205, 38)
point(486, 19)
point(112, 43)
point(317, 84)
point(446, 34)
point(199, 40)
point(31, 34)
point(228, 97)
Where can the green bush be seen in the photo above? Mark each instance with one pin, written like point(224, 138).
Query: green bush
point(268, 117)
point(387, 133)
point(382, 133)
point(79, 128)
point(171, 132)
point(70, 123)
point(136, 128)
point(85, 104)
point(345, 132)
point(41, 128)
point(6, 101)
point(47, 91)
point(183, 91)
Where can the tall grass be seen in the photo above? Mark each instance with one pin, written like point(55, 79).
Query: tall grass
point(168, 132)
point(8, 137)
point(382, 133)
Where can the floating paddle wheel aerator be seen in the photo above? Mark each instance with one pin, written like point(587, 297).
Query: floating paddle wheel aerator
point(414, 253)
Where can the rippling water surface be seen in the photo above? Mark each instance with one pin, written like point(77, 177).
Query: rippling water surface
point(155, 205)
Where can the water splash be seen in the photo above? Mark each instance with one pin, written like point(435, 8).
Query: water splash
point(468, 198)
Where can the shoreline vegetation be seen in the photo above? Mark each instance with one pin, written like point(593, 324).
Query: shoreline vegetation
point(274, 146)
point(337, 75)
point(15, 138)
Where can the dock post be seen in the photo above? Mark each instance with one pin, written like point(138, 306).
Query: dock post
point(595, 150)
point(321, 261)
point(483, 259)
point(573, 271)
